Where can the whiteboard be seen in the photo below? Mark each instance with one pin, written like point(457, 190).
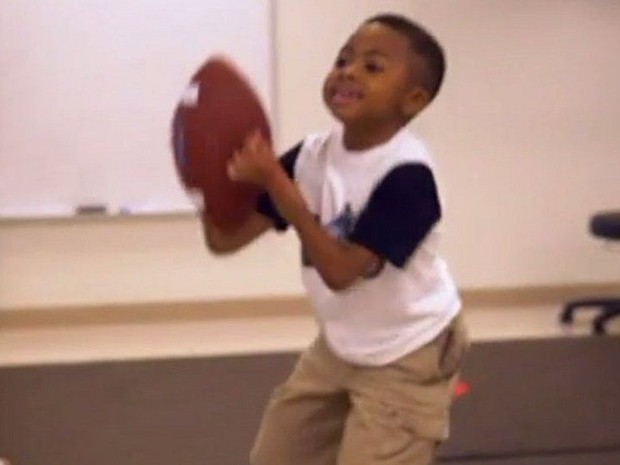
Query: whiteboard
point(87, 91)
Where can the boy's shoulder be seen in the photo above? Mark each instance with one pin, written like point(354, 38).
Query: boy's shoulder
point(317, 142)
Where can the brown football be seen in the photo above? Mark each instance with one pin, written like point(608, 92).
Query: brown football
point(218, 110)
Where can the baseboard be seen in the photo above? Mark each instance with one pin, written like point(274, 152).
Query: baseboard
point(280, 306)
point(536, 295)
point(155, 312)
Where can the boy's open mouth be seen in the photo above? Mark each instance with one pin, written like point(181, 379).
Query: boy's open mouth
point(345, 95)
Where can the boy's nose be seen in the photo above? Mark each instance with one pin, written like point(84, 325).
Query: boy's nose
point(349, 71)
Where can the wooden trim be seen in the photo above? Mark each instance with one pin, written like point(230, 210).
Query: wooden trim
point(536, 295)
point(283, 306)
point(154, 312)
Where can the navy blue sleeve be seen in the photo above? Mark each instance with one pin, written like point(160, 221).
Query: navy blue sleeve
point(264, 204)
point(401, 211)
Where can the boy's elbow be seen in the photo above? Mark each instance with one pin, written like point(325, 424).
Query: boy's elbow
point(338, 281)
point(217, 248)
point(336, 286)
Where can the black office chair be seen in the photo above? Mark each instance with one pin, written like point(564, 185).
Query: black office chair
point(605, 225)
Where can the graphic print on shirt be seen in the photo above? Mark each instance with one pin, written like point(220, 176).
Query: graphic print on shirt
point(340, 227)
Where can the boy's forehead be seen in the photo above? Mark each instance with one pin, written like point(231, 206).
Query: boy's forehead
point(375, 37)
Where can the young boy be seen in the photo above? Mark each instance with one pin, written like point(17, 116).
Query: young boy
point(376, 385)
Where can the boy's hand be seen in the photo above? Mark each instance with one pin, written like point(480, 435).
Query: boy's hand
point(255, 162)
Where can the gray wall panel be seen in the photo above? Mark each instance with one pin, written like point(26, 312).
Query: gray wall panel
point(528, 399)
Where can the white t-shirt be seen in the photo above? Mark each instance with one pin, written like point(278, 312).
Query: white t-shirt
point(386, 200)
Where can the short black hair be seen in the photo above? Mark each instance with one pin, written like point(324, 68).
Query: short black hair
point(423, 43)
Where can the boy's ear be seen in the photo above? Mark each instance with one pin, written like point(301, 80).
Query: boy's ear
point(414, 101)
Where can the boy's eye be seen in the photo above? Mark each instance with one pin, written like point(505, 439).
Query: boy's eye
point(373, 67)
point(341, 62)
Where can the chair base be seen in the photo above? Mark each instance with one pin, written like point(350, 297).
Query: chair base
point(608, 308)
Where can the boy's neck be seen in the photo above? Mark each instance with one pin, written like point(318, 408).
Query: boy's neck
point(360, 138)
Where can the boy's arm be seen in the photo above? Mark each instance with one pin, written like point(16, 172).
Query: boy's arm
point(338, 262)
point(401, 212)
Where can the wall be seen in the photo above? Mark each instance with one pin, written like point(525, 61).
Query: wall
point(172, 411)
point(513, 218)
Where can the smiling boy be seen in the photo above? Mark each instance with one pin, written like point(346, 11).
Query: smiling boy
point(376, 385)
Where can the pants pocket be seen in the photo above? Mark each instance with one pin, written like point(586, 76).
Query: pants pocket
point(453, 345)
point(383, 433)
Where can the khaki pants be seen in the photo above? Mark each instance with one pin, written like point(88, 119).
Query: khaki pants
point(329, 412)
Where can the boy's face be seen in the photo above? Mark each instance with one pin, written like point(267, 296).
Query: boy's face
point(372, 81)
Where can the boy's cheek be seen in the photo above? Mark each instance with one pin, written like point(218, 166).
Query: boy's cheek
point(325, 89)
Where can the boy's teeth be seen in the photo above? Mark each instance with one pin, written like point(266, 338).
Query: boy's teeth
point(346, 94)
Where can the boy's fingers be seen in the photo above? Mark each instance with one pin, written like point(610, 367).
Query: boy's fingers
point(231, 171)
point(231, 166)
point(250, 140)
point(253, 141)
